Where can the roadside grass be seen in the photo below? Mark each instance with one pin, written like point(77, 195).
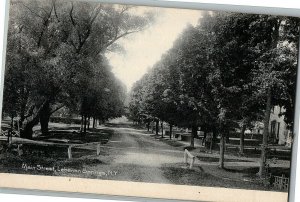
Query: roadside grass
point(52, 156)
point(125, 125)
point(216, 159)
point(212, 176)
point(92, 135)
point(173, 143)
point(252, 153)
point(12, 163)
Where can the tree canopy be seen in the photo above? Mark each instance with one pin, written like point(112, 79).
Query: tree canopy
point(224, 74)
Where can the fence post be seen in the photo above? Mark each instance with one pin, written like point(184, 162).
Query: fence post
point(281, 181)
point(192, 162)
point(187, 155)
point(70, 152)
point(20, 151)
point(9, 137)
point(98, 149)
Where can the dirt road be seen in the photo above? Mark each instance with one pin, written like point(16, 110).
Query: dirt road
point(138, 156)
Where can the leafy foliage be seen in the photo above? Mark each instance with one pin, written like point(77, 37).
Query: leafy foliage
point(219, 74)
point(55, 59)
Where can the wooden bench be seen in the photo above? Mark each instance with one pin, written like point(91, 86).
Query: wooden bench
point(183, 136)
point(97, 144)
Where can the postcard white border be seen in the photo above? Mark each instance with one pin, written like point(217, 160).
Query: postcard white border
point(137, 189)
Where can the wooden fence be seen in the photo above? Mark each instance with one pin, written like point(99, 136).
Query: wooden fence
point(281, 183)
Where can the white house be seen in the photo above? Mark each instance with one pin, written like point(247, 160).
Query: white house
point(278, 131)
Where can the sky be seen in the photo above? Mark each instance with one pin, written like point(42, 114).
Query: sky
point(144, 49)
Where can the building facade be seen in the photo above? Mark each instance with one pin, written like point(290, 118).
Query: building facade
point(278, 129)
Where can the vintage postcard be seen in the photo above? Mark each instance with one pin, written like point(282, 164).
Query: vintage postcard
point(148, 101)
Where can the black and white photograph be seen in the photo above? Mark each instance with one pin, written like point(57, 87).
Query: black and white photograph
point(149, 94)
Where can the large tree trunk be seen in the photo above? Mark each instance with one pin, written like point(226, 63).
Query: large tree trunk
point(85, 123)
point(152, 127)
point(193, 135)
point(12, 121)
point(222, 151)
point(242, 139)
point(81, 124)
point(204, 138)
point(27, 130)
point(45, 114)
point(162, 129)
point(89, 122)
point(214, 138)
point(156, 127)
point(22, 112)
point(148, 126)
point(262, 167)
point(94, 122)
point(9, 135)
point(171, 126)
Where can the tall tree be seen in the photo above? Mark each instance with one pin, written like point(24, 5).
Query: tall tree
point(61, 40)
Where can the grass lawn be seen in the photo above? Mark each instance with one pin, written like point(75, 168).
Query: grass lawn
point(212, 176)
point(216, 159)
point(53, 156)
